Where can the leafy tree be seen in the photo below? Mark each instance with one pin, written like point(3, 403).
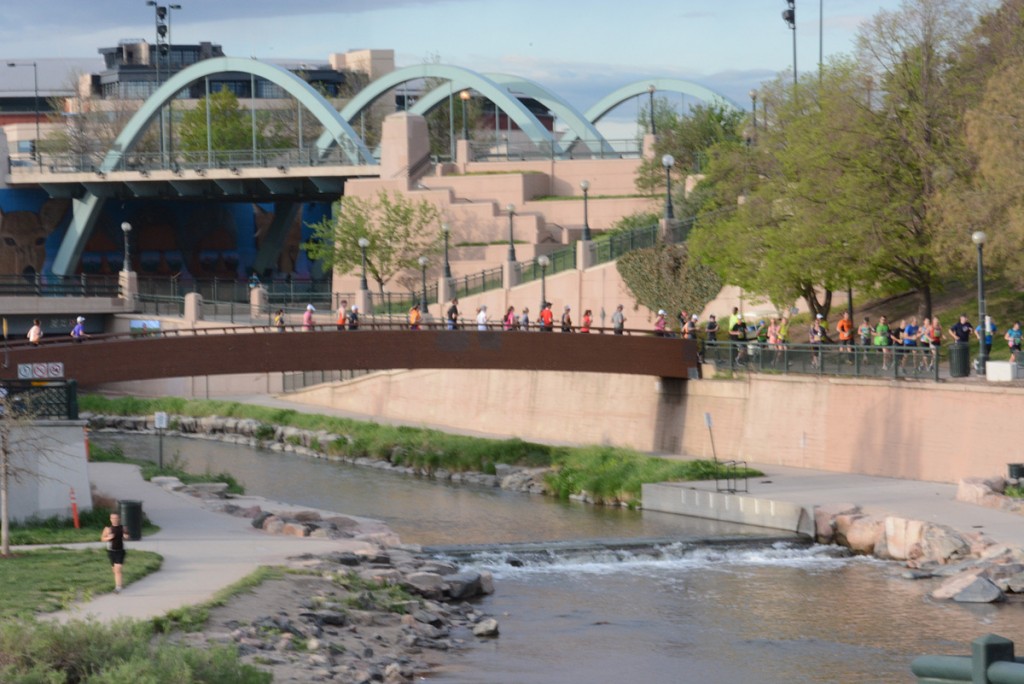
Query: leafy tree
point(398, 229)
point(665, 277)
point(230, 126)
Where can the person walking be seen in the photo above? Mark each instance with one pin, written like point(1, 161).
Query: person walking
point(588, 319)
point(415, 317)
point(35, 333)
point(524, 320)
point(566, 320)
point(115, 535)
point(618, 321)
point(509, 322)
point(659, 323)
point(279, 320)
point(307, 318)
point(78, 332)
point(547, 318)
point(1013, 339)
point(481, 317)
point(342, 314)
point(453, 315)
point(353, 318)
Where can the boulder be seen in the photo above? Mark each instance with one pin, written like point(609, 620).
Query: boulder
point(427, 584)
point(943, 544)
point(487, 627)
point(463, 585)
point(295, 530)
point(824, 520)
point(865, 534)
point(273, 525)
point(954, 585)
point(903, 538)
point(981, 590)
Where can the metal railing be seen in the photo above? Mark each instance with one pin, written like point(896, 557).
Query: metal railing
point(559, 260)
point(296, 380)
point(825, 359)
point(617, 244)
point(39, 285)
point(475, 283)
point(991, 662)
point(32, 399)
point(527, 150)
point(400, 302)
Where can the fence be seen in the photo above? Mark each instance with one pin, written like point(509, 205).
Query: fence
point(558, 261)
point(475, 283)
point(825, 359)
point(501, 149)
point(294, 381)
point(38, 285)
point(35, 399)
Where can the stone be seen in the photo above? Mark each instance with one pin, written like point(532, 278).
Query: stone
point(440, 567)
point(463, 585)
point(486, 582)
point(306, 516)
point(333, 618)
point(294, 530)
point(273, 525)
point(943, 544)
point(865, 534)
point(428, 617)
point(954, 585)
point(981, 590)
point(424, 583)
point(903, 538)
point(487, 627)
point(824, 520)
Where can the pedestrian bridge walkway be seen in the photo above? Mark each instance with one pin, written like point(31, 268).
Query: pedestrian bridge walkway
point(375, 346)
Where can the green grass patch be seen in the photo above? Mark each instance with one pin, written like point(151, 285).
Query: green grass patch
point(172, 468)
point(610, 475)
point(61, 530)
point(121, 652)
point(46, 580)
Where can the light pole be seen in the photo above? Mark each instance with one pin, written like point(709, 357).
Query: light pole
point(543, 260)
point(363, 244)
point(464, 96)
point(978, 238)
point(445, 230)
point(127, 266)
point(423, 272)
point(753, 109)
point(35, 105)
point(650, 98)
point(511, 243)
point(667, 161)
point(585, 187)
point(789, 16)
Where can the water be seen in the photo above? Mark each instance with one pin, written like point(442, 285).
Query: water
point(704, 615)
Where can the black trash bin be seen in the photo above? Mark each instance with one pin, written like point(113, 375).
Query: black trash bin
point(959, 360)
point(1016, 470)
point(131, 518)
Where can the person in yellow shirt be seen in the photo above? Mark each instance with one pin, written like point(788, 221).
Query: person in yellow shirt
point(415, 317)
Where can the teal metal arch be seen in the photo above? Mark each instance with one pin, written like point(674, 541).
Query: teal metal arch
point(573, 118)
point(487, 87)
point(86, 210)
point(672, 85)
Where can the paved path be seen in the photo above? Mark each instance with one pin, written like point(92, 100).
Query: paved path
point(203, 551)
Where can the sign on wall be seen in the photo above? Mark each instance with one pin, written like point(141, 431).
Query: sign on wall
point(47, 370)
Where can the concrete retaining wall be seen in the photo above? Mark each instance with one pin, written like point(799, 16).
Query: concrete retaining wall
point(48, 459)
point(681, 499)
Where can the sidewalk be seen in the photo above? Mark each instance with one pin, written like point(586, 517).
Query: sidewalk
point(203, 551)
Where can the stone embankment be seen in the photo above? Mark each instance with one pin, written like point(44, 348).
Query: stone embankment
point(974, 568)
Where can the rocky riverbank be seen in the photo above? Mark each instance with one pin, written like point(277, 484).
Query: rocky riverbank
point(385, 615)
point(973, 568)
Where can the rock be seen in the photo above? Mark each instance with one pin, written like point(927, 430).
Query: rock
point(440, 567)
point(865, 534)
point(306, 516)
point(1015, 584)
point(903, 538)
point(824, 520)
point(487, 627)
point(273, 525)
point(981, 590)
point(463, 585)
point(424, 583)
point(260, 519)
point(954, 585)
point(250, 512)
point(486, 582)
point(428, 617)
point(295, 530)
point(332, 618)
point(943, 544)
point(346, 558)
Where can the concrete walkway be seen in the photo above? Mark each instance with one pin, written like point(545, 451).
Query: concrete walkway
point(203, 551)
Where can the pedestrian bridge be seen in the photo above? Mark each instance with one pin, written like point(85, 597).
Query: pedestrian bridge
point(260, 349)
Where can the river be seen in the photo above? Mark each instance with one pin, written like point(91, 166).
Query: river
point(775, 614)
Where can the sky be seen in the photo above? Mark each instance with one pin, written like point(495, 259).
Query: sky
point(579, 50)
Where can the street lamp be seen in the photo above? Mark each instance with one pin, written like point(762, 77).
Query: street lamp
point(35, 105)
point(650, 98)
point(789, 16)
point(543, 260)
point(423, 272)
point(511, 208)
point(753, 109)
point(127, 266)
point(585, 187)
point(445, 230)
point(978, 238)
point(363, 244)
point(667, 161)
point(464, 96)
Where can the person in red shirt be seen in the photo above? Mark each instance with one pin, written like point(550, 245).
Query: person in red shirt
point(845, 329)
point(588, 319)
point(547, 318)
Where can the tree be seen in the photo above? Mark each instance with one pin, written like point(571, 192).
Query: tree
point(665, 277)
point(399, 231)
point(231, 128)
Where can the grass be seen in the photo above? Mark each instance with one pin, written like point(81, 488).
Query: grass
point(172, 468)
point(606, 474)
point(61, 530)
point(192, 618)
point(45, 580)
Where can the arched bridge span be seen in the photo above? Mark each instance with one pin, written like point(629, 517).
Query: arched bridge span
point(221, 352)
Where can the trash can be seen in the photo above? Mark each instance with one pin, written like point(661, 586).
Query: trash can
point(1016, 470)
point(131, 518)
point(959, 360)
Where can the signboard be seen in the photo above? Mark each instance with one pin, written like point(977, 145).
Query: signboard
point(160, 420)
point(52, 370)
point(707, 419)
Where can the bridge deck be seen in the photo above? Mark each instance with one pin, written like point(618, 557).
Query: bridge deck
point(253, 350)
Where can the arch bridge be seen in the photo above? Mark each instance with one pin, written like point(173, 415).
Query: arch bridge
point(260, 349)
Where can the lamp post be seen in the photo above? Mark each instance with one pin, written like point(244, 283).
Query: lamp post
point(753, 109)
point(127, 266)
point(667, 161)
point(650, 98)
point(978, 238)
point(464, 96)
point(585, 187)
point(543, 260)
point(445, 231)
point(423, 272)
point(511, 243)
point(789, 16)
point(363, 244)
point(35, 105)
